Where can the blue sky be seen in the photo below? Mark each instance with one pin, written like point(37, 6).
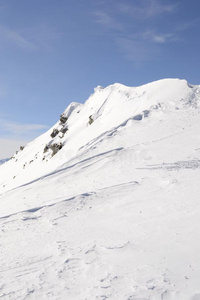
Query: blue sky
point(53, 52)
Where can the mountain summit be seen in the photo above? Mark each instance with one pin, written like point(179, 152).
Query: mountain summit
point(105, 204)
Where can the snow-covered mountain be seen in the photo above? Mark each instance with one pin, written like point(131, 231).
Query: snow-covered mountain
point(106, 204)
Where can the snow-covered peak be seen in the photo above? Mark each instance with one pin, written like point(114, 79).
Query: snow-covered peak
point(80, 125)
point(105, 204)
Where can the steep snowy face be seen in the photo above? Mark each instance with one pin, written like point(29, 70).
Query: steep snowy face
point(81, 125)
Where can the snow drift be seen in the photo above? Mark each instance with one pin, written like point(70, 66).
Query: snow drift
point(105, 205)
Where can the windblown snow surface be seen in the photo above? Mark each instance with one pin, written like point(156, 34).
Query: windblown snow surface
point(115, 213)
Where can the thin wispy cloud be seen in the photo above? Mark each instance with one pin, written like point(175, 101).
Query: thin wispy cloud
point(156, 8)
point(12, 37)
point(40, 37)
point(44, 36)
point(13, 135)
point(159, 38)
point(146, 8)
point(104, 19)
point(20, 130)
point(187, 25)
point(136, 35)
point(135, 50)
point(10, 146)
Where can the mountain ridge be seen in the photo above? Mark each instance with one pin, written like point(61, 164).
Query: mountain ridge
point(122, 110)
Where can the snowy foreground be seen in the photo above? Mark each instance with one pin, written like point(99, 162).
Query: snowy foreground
point(115, 213)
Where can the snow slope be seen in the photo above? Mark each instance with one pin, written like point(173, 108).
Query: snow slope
point(114, 214)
